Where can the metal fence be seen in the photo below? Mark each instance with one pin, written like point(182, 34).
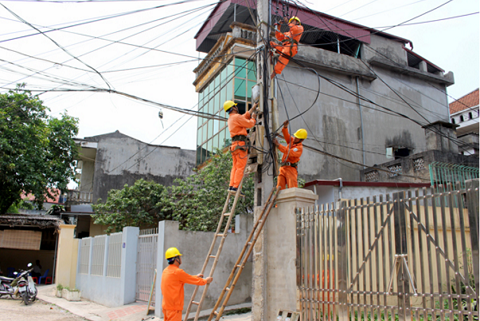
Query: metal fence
point(146, 263)
point(408, 256)
point(98, 254)
point(114, 260)
point(84, 255)
point(443, 175)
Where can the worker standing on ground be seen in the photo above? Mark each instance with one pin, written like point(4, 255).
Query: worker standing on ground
point(291, 156)
point(238, 125)
point(289, 46)
point(173, 280)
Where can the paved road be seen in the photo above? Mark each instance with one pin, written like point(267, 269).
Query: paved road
point(15, 310)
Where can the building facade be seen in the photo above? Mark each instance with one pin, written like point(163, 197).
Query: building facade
point(464, 113)
point(361, 93)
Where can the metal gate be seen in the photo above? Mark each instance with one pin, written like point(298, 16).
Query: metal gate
point(146, 264)
point(410, 256)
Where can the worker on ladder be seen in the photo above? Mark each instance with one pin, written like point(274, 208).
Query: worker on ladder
point(289, 46)
point(173, 280)
point(291, 156)
point(238, 125)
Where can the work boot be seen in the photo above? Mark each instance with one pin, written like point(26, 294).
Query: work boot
point(233, 190)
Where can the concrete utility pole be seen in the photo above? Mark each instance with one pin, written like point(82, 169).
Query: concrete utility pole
point(267, 121)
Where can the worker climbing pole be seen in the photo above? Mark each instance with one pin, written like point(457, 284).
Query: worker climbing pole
point(286, 44)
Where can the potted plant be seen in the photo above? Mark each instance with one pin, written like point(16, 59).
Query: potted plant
point(58, 291)
point(71, 294)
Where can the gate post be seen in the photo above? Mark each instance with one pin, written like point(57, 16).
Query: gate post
point(472, 205)
point(401, 251)
point(342, 261)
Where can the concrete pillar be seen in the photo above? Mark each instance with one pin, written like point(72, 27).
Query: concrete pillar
point(275, 261)
point(441, 136)
point(128, 273)
point(66, 266)
point(161, 265)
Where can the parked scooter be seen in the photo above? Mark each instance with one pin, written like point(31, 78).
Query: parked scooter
point(21, 285)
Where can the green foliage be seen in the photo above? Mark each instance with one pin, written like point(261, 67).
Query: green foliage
point(59, 287)
point(143, 203)
point(196, 202)
point(199, 199)
point(37, 152)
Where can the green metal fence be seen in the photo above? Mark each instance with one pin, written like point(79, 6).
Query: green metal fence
point(443, 175)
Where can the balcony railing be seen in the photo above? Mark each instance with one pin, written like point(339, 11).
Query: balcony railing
point(79, 197)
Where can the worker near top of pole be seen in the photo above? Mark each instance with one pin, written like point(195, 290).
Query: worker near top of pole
point(291, 156)
point(289, 46)
point(238, 125)
point(173, 279)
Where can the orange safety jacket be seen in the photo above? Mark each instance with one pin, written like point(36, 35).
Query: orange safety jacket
point(291, 152)
point(295, 33)
point(173, 279)
point(238, 124)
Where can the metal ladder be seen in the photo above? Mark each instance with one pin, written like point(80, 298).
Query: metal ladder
point(222, 237)
point(242, 259)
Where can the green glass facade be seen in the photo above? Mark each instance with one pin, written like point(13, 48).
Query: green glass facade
point(235, 83)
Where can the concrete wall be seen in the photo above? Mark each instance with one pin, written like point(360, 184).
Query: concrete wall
point(334, 124)
point(66, 265)
point(112, 291)
point(194, 247)
point(113, 169)
point(275, 260)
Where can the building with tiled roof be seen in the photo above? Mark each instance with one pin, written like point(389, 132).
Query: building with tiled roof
point(464, 113)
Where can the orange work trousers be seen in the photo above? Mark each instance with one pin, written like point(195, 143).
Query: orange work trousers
point(172, 315)
point(240, 158)
point(287, 176)
point(286, 52)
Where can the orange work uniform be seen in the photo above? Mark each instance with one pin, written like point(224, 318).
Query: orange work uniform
point(291, 154)
point(237, 125)
point(173, 279)
point(289, 46)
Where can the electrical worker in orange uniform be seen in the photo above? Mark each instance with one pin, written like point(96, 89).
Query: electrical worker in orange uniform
point(291, 156)
point(173, 279)
point(237, 125)
point(289, 46)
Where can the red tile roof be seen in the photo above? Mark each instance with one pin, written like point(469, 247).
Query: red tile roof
point(55, 200)
point(467, 101)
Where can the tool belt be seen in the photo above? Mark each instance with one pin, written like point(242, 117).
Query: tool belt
point(289, 164)
point(241, 138)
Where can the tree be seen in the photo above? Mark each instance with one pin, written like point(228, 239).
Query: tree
point(199, 199)
point(143, 203)
point(196, 201)
point(37, 152)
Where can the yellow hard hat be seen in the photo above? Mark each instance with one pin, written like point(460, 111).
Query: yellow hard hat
point(228, 104)
point(294, 18)
point(172, 252)
point(301, 134)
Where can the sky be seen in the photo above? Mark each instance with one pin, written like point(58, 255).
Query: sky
point(147, 49)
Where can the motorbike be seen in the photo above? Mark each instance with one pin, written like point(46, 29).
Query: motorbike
point(22, 285)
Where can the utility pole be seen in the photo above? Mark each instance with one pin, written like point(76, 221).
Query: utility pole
point(264, 177)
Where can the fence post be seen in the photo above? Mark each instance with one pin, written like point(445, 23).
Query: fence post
point(401, 251)
point(129, 263)
point(105, 256)
point(342, 261)
point(90, 255)
point(472, 206)
point(161, 262)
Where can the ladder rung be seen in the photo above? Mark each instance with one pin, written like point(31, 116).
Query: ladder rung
point(227, 214)
point(249, 243)
point(195, 302)
point(227, 289)
point(220, 234)
point(212, 256)
point(260, 221)
point(215, 312)
point(239, 265)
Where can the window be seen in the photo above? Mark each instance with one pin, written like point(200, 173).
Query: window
point(461, 118)
point(453, 120)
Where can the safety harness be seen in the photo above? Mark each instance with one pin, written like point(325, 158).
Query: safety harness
point(241, 138)
point(289, 164)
